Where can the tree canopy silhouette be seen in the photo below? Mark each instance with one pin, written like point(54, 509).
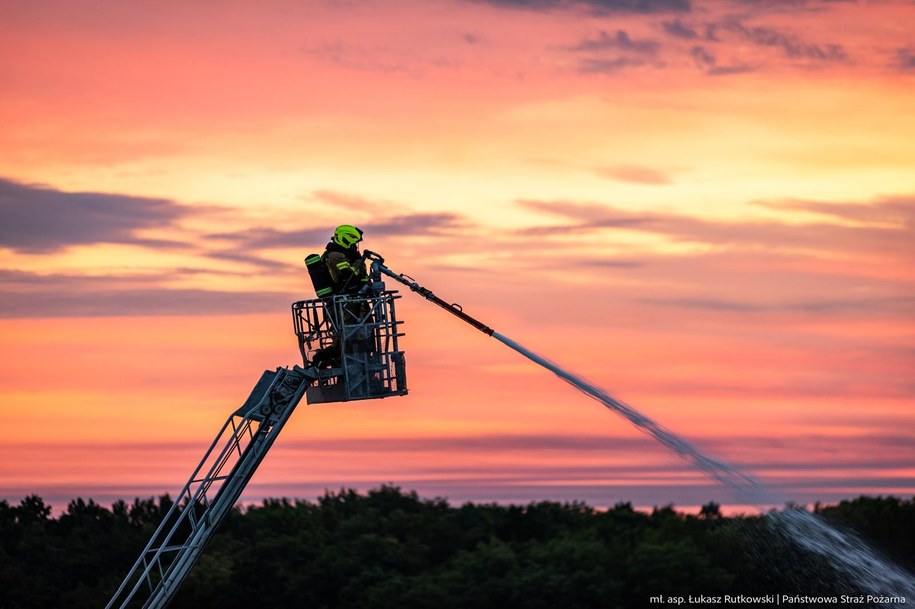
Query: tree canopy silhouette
point(390, 548)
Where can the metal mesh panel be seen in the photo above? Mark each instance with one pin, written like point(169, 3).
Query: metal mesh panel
point(363, 332)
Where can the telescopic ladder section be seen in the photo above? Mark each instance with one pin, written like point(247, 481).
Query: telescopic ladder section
point(212, 490)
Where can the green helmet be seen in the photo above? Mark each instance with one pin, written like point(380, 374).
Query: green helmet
point(347, 236)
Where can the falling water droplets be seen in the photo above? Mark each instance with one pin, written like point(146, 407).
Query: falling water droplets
point(846, 553)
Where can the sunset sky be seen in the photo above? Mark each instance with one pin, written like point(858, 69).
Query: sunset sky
point(705, 207)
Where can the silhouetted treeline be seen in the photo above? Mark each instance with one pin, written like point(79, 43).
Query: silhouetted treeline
point(391, 549)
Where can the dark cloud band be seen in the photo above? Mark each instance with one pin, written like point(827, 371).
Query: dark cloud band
point(596, 6)
point(40, 219)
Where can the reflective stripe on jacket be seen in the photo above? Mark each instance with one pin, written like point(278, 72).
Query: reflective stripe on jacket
point(348, 275)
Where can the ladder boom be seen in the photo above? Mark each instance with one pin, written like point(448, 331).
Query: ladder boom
point(212, 490)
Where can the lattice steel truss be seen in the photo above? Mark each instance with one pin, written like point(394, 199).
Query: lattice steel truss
point(212, 490)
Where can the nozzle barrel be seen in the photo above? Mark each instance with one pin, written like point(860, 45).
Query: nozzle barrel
point(453, 308)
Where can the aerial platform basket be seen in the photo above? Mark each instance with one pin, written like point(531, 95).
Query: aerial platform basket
point(360, 333)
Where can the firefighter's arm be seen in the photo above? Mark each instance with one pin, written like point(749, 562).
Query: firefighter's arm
point(347, 276)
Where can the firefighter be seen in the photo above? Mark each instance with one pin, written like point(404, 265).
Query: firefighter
point(346, 270)
point(344, 262)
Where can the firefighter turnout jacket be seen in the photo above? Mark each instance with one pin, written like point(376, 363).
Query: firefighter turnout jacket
point(346, 268)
